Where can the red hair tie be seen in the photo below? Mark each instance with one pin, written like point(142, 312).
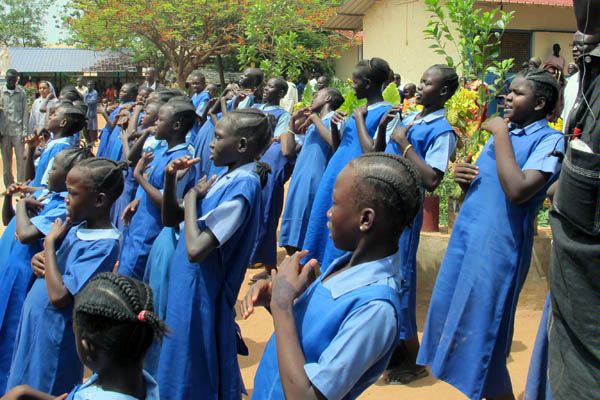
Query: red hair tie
point(142, 315)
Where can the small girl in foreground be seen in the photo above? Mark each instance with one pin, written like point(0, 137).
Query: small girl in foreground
point(335, 338)
point(114, 325)
point(45, 357)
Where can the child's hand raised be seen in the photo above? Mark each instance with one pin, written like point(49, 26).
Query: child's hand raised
point(290, 280)
point(201, 188)
point(496, 125)
point(142, 164)
point(33, 205)
point(57, 230)
point(258, 295)
point(360, 112)
point(465, 172)
point(15, 188)
point(389, 116)
point(129, 211)
point(38, 264)
point(399, 134)
point(33, 140)
point(181, 164)
point(337, 118)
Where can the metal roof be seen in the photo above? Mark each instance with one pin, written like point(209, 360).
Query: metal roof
point(349, 16)
point(556, 3)
point(36, 59)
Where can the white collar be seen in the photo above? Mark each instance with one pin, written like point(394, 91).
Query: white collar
point(426, 119)
point(244, 170)
point(377, 105)
point(53, 142)
point(328, 115)
point(87, 234)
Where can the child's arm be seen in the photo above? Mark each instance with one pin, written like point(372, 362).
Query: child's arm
point(24, 392)
point(336, 137)
point(288, 284)
point(289, 147)
point(57, 292)
point(209, 105)
point(324, 132)
point(379, 143)
point(27, 232)
point(172, 212)
point(198, 243)
point(8, 211)
point(31, 144)
point(138, 173)
point(134, 119)
point(111, 124)
point(432, 177)
point(136, 150)
point(258, 295)
point(518, 185)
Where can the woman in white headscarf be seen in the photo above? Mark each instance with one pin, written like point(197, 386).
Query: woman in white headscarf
point(40, 106)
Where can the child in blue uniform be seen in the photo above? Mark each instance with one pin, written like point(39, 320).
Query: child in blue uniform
point(281, 169)
point(45, 356)
point(220, 227)
point(313, 156)
point(427, 139)
point(333, 339)
point(63, 122)
point(368, 79)
point(110, 139)
point(200, 96)
point(15, 271)
point(468, 331)
point(114, 325)
point(174, 120)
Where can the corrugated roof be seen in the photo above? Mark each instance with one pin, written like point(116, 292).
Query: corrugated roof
point(556, 3)
point(36, 59)
point(349, 15)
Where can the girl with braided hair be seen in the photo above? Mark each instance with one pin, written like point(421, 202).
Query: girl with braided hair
point(114, 325)
point(34, 216)
point(75, 250)
point(471, 313)
point(321, 348)
point(221, 222)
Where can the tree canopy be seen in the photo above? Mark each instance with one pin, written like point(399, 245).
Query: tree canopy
point(22, 22)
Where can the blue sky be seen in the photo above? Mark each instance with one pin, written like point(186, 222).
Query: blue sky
point(52, 34)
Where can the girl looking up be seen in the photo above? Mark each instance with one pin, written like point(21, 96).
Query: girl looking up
point(45, 355)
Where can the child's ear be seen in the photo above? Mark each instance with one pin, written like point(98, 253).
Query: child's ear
point(444, 91)
point(90, 353)
point(63, 122)
point(242, 145)
point(540, 103)
point(367, 219)
point(101, 199)
point(177, 126)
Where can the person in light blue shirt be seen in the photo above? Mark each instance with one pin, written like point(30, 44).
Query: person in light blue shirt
point(333, 338)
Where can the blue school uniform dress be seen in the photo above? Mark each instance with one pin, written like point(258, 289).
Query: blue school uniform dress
point(199, 360)
point(308, 171)
point(16, 278)
point(317, 240)
point(105, 134)
point(45, 356)
point(342, 357)
point(46, 160)
point(200, 100)
point(433, 140)
point(91, 391)
point(538, 383)
point(272, 194)
point(114, 148)
point(146, 223)
point(471, 313)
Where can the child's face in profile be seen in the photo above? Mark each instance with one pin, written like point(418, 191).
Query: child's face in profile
point(54, 120)
point(428, 91)
point(319, 100)
point(81, 200)
point(344, 215)
point(360, 83)
point(164, 122)
point(520, 102)
point(225, 147)
point(58, 174)
point(150, 116)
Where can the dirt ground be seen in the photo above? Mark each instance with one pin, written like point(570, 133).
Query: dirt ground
point(259, 327)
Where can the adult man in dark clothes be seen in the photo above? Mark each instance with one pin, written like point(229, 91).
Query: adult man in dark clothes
point(574, 328)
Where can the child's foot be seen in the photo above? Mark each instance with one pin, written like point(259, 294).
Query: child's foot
point(405, 374)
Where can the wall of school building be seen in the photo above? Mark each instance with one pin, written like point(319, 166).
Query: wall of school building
point(345, 64)
point(393, 30)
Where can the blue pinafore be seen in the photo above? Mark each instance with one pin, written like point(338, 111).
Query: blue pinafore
point(105, 134)
point(200, 360)
point(272, 195)
point(16, 278)
point(146, 223)
point(317, 240)
point(471, 313)
point(54, 147)
point(421, 136)
point(308, 171)
point(319, 317)
point(114, 147)
point(538, 382)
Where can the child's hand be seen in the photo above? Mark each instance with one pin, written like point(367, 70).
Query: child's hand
point(465, 172)
point(389, 116)
point(33, 140)
point(496, 125)
point(360, 112)
point(32, 205)
point(38, 264)
point(399, 134)
point(181, 164)
point(258, 295)
point(337, 118)
point(15, 188)
point(58, 230)
point(202, 187)
point(129, 211)
point(142, 164)
point(290, 280)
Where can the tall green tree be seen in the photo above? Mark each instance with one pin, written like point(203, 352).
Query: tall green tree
point(22, 22)
point(181, 34)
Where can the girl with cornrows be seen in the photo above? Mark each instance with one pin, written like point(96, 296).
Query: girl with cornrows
point(45, 356)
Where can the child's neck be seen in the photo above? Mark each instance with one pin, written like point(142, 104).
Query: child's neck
point(239, 163)
point(123, 379)
point(174, 140)
point(273, 102)
point(374, 97)
point(103, 221)
point(325, 110)
point(529, 121)
point(430, 109)
point(371, 250)
point(60, 134)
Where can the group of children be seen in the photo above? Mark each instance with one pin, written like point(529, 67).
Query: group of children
point(185, 193)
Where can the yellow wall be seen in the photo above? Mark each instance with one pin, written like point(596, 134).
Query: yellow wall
point(393, 30)
point(345, 64)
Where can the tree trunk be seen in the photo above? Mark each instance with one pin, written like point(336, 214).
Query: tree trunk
point(221, 72)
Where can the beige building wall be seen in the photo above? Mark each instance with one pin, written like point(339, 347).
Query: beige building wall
point(345, 64)
point(393, 30)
